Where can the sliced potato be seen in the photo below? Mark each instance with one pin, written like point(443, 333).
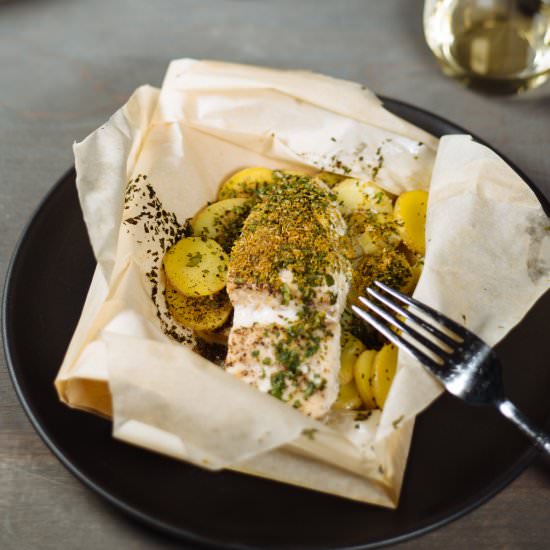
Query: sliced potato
point(245, 183)
point(348, 397)
point(330, 179)
point(362, 372)
point(356, 227)
point(372, 241)
point(204, 313)
point(383, 372)
point(218, 336)
point(410, 213)
point(196, 266)
point(371, 233)
point(353, 194)
point(221, 221)
point(351, 349)
point(382, 233)
point(390, 267)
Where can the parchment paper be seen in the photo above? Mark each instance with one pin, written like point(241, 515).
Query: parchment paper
point(167, 151)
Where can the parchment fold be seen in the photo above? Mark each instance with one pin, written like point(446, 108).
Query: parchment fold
point(169, 149)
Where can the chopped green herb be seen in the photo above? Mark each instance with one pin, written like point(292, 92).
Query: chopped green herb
point(194, 259)
point(310, 432)
point(310, 390)
point(278, 385)
point(285, 294)
point(397, 421)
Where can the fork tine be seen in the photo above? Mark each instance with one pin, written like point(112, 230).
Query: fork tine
point(412, 317)
point(459, 330)
point(402, 326)
point(398, 340)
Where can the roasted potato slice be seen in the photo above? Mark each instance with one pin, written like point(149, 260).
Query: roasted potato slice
point(246, 183)
point(410, 213)
point(218, 336)
point(362, 372)
point(348, 397)
point(383, 372)
point(221, 221)
point(352, 347)
point(330, 179)
point(371, 233)
point(204, 313)
point(196, 266)
point(353, 194)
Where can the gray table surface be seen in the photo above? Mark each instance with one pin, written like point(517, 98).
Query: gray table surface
point(66, 66)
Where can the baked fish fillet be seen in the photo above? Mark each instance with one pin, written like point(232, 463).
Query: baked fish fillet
point(288, 280)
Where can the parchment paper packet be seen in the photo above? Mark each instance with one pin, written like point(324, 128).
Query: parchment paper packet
point(161, 158)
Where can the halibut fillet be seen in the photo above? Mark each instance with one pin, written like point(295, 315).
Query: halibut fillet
point(288, 280)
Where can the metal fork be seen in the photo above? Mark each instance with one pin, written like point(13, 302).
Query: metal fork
point(467, 366)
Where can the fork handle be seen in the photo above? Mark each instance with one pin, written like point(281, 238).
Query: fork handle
point(537, 436)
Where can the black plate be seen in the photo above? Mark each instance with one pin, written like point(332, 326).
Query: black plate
point(460, 456)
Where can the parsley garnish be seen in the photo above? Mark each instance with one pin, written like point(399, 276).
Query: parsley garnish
point(278, 385)
point(396, 422)
point(194, 259)
point(310, 432)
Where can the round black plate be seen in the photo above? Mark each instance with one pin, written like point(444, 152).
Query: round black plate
point(460, 456)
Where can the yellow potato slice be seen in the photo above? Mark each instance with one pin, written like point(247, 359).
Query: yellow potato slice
point(353, 194)
point(221, 221)
point(381, 233)
point(374, 241)
point(218, 336)
point(410, 213)
point(383, 372)
point(348, 397)
point(362, 372)
point(390, 267)
point(371, 233)
point(356, 227)
point(204, 313)
point(196, 266)
point(352, 347)
point(245, 183)
point(330, 179)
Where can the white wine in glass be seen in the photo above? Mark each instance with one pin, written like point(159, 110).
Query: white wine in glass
point(496, 46)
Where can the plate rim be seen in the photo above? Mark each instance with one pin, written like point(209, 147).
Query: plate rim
point(524, 460)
